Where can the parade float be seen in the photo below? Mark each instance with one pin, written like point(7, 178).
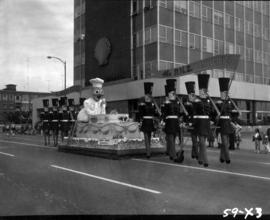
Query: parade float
point(109, 135)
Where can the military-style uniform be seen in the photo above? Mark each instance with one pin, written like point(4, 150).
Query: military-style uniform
point(55, 121)
point(45, 117)
point(203, 113)
point(147, 112)
point(64, 118)
point(189, 105)
point(73, 114)
point(171, 114)
point(224, 122)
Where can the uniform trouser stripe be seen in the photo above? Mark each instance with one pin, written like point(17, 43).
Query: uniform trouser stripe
point(224, 149)
point(202, 150)
point(147, 139)
point(171, 145)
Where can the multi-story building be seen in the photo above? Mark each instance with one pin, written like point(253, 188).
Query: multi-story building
point(146, 36)
point(12, 101)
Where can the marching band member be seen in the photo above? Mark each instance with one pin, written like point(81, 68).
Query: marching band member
point(96, 104)
point(65, 118)
point(171, 114)
point(44, 115)
point(73, 116)
point(190, 87)
point(147, 112)
point(163, 116)
point(224, 121)
point(55, 121)
point(203, 110)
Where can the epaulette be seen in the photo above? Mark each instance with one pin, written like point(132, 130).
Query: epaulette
point(188, 103)
point(142, 103)
point(219, 102)
point(167, 102)
point(197, 100)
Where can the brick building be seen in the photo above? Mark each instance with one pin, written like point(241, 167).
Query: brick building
point(12, 101)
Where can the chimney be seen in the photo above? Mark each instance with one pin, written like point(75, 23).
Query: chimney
point(10, 87)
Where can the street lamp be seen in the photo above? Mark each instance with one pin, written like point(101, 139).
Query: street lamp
point(65, 71)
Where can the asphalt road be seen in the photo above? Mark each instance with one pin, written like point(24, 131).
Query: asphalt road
point(39, 180)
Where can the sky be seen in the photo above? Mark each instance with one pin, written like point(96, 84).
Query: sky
point(31, 30)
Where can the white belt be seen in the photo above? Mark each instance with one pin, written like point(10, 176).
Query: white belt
point(224, 117)
point(54, 120)
point(45, 120)
point(148, 117)
point(172, 116)
point(201, 116)
point(72, 120)
point(64, 120)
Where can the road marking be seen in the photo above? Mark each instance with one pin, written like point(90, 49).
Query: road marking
point(24, 143)
point(108, 180)
point(265, 163)
point(11, 155)
point(205, 169)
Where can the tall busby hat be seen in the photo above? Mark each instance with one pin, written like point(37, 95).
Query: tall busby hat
point(70, 102)
point(166, 90)
point(81, 101)
point(170, 84)
point(203, 80)
point(224, 84)
point(55, 102)
point(63, 101)
point(190, 86)
point(148, 88)
point(45, 103)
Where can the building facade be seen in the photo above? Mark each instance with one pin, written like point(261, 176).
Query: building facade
point(147, 36)
point(13, 101)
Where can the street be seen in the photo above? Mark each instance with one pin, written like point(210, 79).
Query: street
point(39, 180)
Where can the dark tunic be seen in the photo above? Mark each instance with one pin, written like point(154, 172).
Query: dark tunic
point(45, 117)
point(203, 113)
point(55, 121)
point(64, 121)
point(147, 112)
point(188, 119)
point(224, 122)
point(171, 114)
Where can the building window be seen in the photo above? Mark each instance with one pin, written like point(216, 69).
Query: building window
point(194, 41)
point(257, 5)
point(147, 35)
point(135, 7)
point(163, 34)
point(218, 17)
point(248, 4)
point(240, 50)
point(206, 14)
point(249, 54)
point(218, 47)
point(257, 29)
point(207, 45)
point(265, 33)
point(239, 24)
point(249, 27)
point(165, 65)
point(180, 6)
point(150, 34)
point(229, 21)
point(194, 9)
point(163, 3)
point(229, 48)
point(258, 56)
point(180, 38)
point(139, 39)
